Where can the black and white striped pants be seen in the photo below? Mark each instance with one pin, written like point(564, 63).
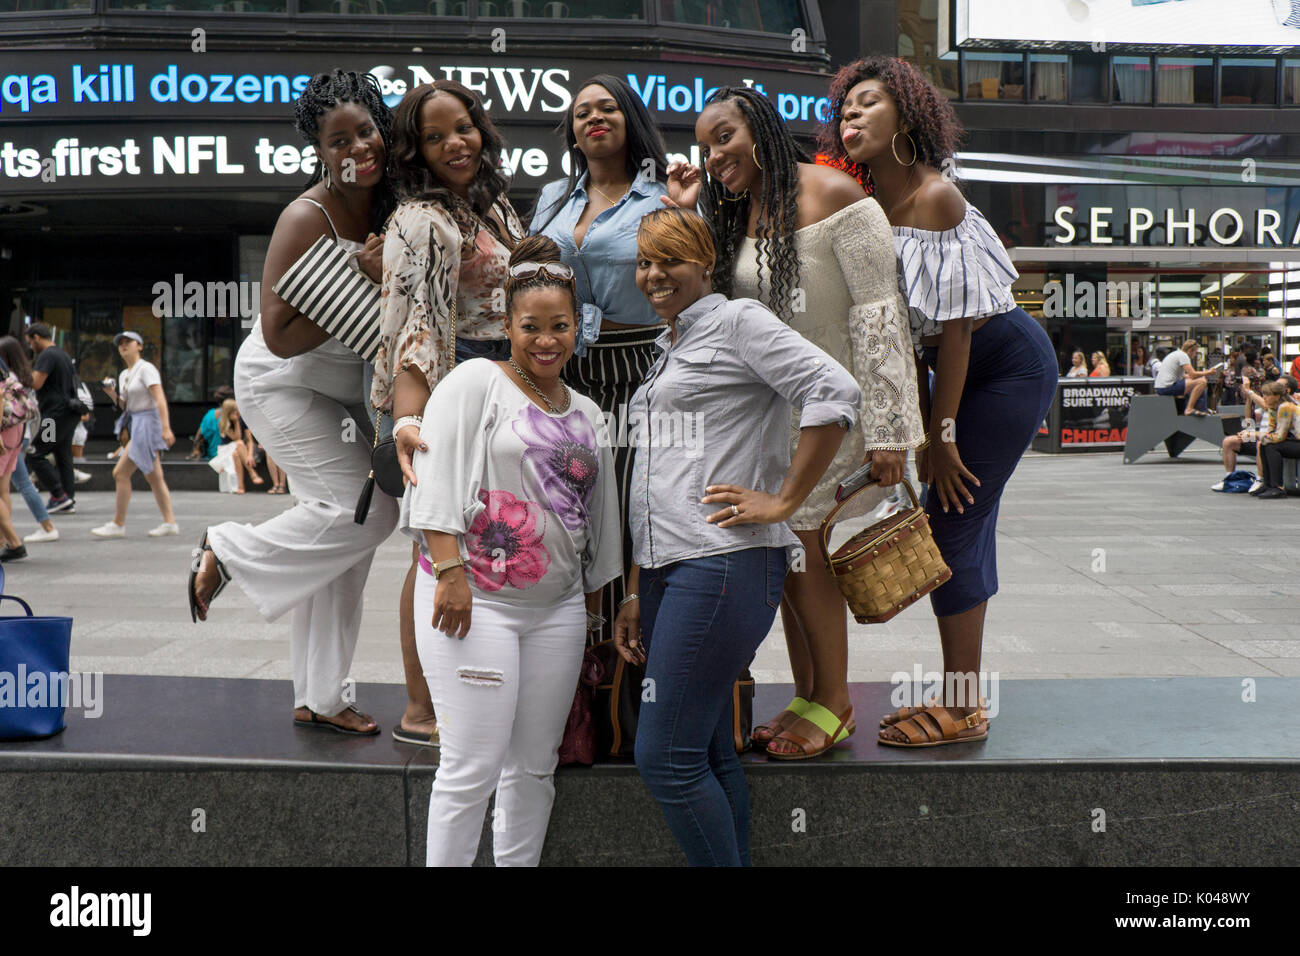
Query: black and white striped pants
point(609, 374)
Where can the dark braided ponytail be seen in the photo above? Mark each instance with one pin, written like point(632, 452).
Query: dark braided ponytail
point(779, 156)
point(327, 91)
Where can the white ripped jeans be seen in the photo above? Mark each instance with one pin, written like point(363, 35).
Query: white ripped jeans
point(312, 558)
point(502, 695)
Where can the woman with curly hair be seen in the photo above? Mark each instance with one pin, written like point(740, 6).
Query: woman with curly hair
point(295, 385)
point(805, 241)
point(446, 252)
point(995, 371)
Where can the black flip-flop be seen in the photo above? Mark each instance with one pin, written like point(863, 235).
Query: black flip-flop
point(318, 721)
point(404, 736)
point(194, 574)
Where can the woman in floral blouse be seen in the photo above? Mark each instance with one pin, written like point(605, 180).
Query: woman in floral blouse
point(446, 250)
point(516, 509)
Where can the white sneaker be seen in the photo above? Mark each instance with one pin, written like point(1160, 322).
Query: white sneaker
point(1259, 483)
point(79, 476)
point(1218, 487)
point(165, 529)
point(886, 509)
point(36, 537)
point(110, 530)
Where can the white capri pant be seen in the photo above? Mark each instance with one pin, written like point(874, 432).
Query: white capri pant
point(312, 558)
point(502, 695)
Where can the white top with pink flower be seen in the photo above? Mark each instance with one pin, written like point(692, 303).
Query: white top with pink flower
point(531, 495)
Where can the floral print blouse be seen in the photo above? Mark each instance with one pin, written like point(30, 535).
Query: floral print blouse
point(434, 256)
point(531, 494)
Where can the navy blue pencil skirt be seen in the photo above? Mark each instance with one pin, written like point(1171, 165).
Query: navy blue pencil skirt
point(1010, 384)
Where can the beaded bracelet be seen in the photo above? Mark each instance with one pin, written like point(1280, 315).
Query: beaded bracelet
point(405, 420)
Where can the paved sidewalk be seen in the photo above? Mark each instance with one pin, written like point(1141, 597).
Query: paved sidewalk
point(1194, 584)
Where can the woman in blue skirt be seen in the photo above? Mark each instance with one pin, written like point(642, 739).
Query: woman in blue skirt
point(995, 371)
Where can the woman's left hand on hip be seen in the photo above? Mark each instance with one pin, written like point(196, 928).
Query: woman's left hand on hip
point(744, 506)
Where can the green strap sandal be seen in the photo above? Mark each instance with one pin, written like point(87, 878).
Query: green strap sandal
point(836, 729)
point(763, 734)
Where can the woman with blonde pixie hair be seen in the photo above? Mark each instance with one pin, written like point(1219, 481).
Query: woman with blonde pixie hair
point(708, 521)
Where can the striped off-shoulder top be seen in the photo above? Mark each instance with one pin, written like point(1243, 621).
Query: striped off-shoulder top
point(960, 272)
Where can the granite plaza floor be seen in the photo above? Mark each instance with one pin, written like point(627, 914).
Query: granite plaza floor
point(1106, 570)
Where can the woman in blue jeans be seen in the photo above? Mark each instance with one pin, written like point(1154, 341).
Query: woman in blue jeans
point(713, 483)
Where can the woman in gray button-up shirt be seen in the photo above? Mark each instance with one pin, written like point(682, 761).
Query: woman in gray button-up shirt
point(713, 483)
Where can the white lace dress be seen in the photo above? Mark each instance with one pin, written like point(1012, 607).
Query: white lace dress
point(848, 303)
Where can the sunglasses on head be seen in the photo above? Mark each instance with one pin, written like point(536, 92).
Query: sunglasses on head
point(526, 270)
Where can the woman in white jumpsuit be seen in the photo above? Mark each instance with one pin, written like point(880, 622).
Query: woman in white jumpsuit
point(302, 394)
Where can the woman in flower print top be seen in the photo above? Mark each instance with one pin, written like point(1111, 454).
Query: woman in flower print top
point(515, 507)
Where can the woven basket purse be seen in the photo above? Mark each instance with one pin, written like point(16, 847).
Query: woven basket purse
point(884, 568)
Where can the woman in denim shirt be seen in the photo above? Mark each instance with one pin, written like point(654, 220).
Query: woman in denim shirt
point(617, 177)
point(712, 487)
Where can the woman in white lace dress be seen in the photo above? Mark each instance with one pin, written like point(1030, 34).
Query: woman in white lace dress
point(807, 242)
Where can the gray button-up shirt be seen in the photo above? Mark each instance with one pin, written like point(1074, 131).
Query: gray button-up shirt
point(715, 408)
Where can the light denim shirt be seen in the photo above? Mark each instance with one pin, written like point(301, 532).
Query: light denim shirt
point(715, 408)
point(605, 267)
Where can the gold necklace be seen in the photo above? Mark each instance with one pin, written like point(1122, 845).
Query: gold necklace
point(533, 385)
point(894, 208)
point(612, 202)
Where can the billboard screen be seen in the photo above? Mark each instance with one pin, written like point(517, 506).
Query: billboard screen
point(1218, 23)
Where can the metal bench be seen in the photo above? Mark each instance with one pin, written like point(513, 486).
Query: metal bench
point(1153, 419)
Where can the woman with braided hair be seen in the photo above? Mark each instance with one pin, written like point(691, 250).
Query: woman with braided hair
point(810, 245)
point(995, 371)
point(296, 387)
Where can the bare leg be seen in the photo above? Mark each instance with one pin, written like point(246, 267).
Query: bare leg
point(250, 462)
point(962, 638)
point(239, 466)
point(1194, 395)
point(122, 473)
point(161, 494)
point(6, 515)
point(1231, 445)
point(419, 705)
point(815, 601)
point(277, 474)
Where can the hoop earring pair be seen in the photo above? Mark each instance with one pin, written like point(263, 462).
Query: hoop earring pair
point(894, 149)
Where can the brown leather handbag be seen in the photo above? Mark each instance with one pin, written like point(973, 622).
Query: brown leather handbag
point(617, 702)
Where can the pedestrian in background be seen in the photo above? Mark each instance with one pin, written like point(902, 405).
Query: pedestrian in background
point(19, 408)
point(139, 396)
point(15, 357)
point(55, 380)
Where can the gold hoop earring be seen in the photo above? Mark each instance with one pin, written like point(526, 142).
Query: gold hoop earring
point(911, 142)
point(754, 151)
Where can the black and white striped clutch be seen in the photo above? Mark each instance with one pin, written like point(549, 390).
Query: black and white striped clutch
point(323, 286)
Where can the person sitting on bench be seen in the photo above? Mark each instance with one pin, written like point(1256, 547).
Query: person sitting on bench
point(1282, 439)
point(1176, 370)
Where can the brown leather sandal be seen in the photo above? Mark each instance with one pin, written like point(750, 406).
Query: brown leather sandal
point(904, 712)
point(934, 727)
